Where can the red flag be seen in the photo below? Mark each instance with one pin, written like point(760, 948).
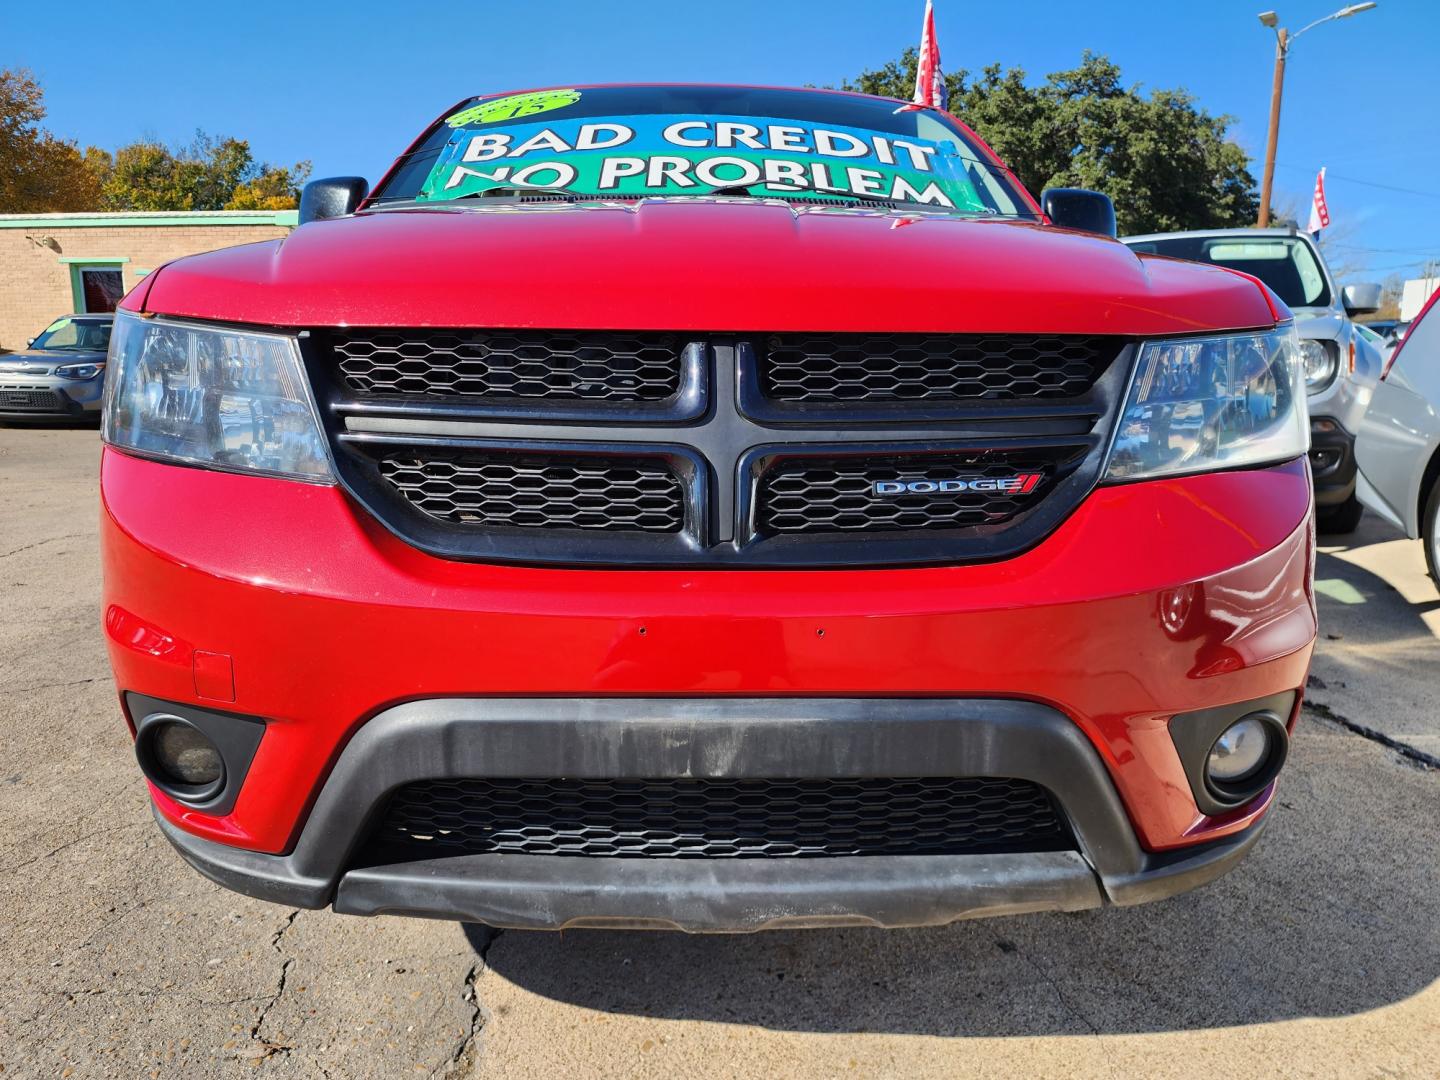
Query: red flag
point(1319, 212)
point(930, 88)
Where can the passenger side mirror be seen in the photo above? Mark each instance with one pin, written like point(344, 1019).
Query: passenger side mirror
point(1361, 299)
point(1076, 208)
point(336, 197)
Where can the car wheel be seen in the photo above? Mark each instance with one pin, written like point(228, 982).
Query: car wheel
point(1344, 518)
point(1430, 533)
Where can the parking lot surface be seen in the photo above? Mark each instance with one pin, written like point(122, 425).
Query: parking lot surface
point(1319, 956)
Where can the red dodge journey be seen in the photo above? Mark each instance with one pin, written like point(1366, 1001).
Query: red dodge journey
point(705, 507)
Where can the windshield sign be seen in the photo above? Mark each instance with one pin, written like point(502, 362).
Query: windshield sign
point(631, 142)
point(658, 155)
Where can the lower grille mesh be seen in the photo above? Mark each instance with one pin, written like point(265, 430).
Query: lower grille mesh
point(689, 818)
point(25, 397)
point(626, 495)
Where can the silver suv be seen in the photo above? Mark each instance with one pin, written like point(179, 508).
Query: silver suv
point(1341, 366)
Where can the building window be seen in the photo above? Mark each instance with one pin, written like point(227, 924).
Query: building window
point(101, 288)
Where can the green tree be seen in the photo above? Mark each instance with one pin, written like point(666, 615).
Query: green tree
point(39, 173)
point(208, 174)
point(1166, 162)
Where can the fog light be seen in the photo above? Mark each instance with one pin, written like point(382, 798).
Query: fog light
point(1241, 751)
point(186, 756)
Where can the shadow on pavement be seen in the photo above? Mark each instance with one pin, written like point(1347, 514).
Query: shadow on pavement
point(1363, 603)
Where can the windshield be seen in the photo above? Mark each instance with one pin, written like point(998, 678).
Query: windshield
point(76, 335)
point(629, 142)
point(1286, 264)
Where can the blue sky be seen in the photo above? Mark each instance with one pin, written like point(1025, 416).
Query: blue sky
point(348, 85)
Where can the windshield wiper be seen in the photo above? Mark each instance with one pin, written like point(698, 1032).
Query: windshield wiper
point(813, 193)
point(510, 191)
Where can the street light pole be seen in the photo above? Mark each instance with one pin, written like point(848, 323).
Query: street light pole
point(1283, 40)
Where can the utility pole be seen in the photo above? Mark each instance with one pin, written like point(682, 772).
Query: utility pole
point(1277, 89)
point(1283, 40)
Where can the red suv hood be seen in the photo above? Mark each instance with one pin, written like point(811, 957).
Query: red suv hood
point(703, 265)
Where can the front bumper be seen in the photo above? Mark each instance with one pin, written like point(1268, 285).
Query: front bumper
point(1332, 461)
point(286, 602)
point(49, 397)
point(720, 738)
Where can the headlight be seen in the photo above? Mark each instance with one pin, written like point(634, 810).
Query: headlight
point(79, 372)
point(1199, 404)
point(1321, 360)
point(227, 399)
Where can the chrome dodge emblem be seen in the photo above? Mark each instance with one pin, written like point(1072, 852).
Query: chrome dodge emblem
point(1019, 484)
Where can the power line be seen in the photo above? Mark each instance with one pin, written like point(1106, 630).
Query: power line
point(1366, 183)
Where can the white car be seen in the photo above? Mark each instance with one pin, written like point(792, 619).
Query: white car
point(1398, 448)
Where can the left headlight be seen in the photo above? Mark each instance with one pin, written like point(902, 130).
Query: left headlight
point(227, 399)
point(1208, 403)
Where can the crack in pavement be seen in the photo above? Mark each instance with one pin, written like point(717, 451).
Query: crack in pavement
point(1055, 986)
point(69, 844)
point(47, 686)
point(1422, 760)
point(38, 543)
point(264, 1048)
point(471, 996)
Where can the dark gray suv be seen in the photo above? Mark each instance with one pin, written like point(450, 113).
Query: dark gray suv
point(61, 373)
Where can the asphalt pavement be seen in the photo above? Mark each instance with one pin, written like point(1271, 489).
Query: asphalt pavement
point(1319, 956)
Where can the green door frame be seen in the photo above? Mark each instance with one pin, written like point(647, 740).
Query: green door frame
point(77, 286)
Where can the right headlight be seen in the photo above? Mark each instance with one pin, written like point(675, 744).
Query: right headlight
point(1206, 403)
point(214, 396)
point(1322, 358)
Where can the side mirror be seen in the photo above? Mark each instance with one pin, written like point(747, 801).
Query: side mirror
point(1361, 299)
point(29, 342)
point(1076, 208)
point(332, 198)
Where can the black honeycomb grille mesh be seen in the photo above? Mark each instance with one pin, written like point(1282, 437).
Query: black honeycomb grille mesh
point(838, 495)
point(920, 367)
point(539, 492)
point(690, 818)
point(505, 364)
point(25, 397)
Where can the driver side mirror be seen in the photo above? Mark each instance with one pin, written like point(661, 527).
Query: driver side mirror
point(1361, 299)
point(29, 342)
point(338, 196)
point(1077, 208)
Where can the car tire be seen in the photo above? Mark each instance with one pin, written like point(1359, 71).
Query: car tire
point(1430, 533)
point(1341, 519)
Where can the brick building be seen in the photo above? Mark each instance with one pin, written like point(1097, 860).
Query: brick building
point(56, 264)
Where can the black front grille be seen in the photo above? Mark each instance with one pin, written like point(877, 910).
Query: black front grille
point(897, 494)
point(539, 492)
point(818, 368)
point(26, 397)
point(509, 364)
point(690, 818)
point(699, 448)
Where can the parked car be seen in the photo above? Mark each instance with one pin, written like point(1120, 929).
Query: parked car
point(1341, 367)
point(1385, 329)
point(1399, 443)
point(705, 507)
point(61, 373)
